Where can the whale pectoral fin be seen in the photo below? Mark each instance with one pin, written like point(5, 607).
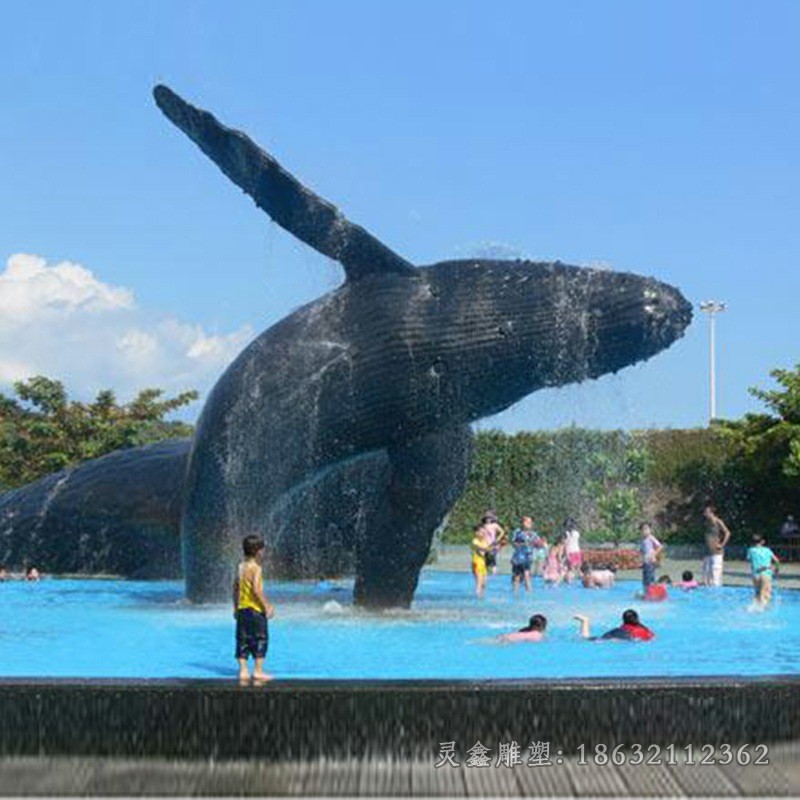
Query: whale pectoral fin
point(294, 207)
point(427, 475)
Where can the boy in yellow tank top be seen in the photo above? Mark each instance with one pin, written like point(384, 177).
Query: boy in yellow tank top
point(479, 547)
point(251, 610)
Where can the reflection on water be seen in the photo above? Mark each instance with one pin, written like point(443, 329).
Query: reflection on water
point(91, 628)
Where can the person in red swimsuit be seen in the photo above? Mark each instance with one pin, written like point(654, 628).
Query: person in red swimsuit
point(656, 592)
point(631, 629)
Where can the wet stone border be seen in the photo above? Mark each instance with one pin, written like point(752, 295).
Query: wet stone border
point(195, 719)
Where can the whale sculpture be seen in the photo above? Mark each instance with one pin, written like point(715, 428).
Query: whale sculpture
point(341, 434)
point(387, 371)
point(115, 515)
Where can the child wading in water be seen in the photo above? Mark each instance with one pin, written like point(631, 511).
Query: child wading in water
point(252, 610)
point(554, 569)
point(687, 581)
point(522, 540)
point(479, 547)
point(764, 564)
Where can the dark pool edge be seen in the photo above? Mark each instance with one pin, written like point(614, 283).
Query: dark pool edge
point(290, 720)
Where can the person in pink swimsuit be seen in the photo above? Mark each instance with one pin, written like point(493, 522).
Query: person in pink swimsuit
point(687, 581)
point(554, 569)
point(572, 547)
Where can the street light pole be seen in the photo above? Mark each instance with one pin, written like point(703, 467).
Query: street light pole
point(712, 308)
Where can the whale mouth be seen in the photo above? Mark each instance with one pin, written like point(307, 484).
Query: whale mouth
point(667, 313)
point(665, 302)
point(635, 318)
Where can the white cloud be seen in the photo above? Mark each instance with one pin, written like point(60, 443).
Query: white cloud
point(61, 321)
point(28, 287)
point(138, 348)
point(11, 370)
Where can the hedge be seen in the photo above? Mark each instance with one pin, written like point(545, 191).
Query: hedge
point(546, 474)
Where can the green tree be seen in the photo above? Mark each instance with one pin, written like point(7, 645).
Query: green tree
point(779, 430)
point(768, 439)
point(765, 453)
point(43, 431)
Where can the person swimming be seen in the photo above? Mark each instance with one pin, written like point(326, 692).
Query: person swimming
point(687, 581)
point(596, 578)
point(532, 632)
point(656, 592)
point(631, 629)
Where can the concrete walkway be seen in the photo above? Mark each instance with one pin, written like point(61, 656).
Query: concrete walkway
point(369, 777)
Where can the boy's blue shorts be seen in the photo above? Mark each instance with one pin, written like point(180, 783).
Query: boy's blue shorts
point(252, 633)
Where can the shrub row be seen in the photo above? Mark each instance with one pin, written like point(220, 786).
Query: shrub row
point(618, 558)
point(548, 475)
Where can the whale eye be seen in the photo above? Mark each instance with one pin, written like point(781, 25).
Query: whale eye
point(506, 328)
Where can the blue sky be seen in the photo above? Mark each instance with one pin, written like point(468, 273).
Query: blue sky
point(658, 138)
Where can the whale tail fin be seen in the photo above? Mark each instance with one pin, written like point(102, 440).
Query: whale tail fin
point(294, 207)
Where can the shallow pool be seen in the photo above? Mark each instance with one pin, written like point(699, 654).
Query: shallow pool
point(93, 628)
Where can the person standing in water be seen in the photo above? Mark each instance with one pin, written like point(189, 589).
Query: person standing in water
point(651, 550)
point(554, 569)
point(572, 547)
point(496, 538)
point(251, 610)
point(540, 551)
point(687, 581)
point(764, 563)
point(717, 536)
point(479, 547)
point(522, 554)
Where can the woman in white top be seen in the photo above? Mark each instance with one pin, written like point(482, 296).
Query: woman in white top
point(572, 546)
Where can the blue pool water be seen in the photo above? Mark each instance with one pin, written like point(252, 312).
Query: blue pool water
point(94, 628)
